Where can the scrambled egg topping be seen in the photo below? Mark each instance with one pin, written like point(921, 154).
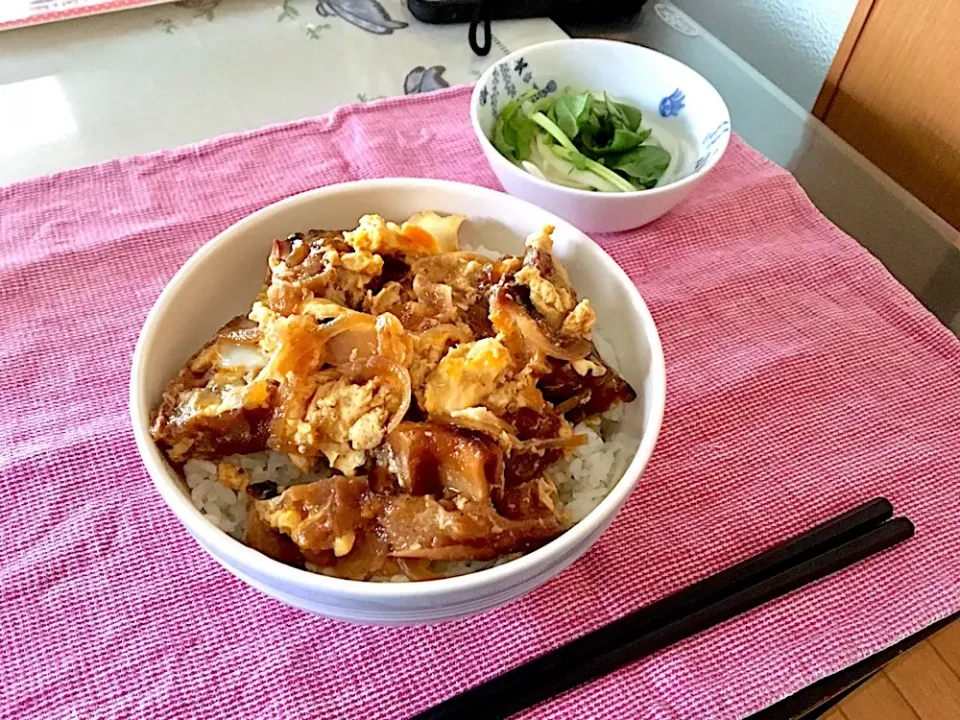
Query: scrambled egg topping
point(435, 383)
point(423, 234)
point(466, 376)
point(344, 420)
point(550, 291)
point(308, 324)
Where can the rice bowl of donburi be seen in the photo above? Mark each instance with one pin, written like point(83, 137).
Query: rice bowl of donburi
point(396, 401)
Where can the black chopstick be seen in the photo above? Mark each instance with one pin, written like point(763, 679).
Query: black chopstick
point(750, 571)
point(827, 548)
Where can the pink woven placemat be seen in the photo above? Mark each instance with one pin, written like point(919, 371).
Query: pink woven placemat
point(802, 380)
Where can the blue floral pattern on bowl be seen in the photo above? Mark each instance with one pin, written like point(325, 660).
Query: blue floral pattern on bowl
point(508, 82)
point(709, 144)
point(672, 104)
point(508, 85)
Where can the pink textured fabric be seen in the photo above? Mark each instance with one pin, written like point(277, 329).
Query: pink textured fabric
point(802, 380)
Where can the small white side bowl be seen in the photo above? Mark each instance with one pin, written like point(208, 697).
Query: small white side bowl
point(221, 280)
point(676, 102)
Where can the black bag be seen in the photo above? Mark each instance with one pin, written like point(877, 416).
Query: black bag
point(481, 12)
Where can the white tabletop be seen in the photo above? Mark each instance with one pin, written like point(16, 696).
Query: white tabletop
point(86, 90)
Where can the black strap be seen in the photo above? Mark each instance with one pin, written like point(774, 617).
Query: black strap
point(481, 14)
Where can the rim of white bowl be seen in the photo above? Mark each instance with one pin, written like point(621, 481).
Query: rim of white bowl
point(576, 192)
point(169, 483)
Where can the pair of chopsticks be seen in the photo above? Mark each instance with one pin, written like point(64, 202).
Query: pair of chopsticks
point(827, 548)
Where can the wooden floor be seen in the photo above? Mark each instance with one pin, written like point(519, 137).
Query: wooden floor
point(922, 684)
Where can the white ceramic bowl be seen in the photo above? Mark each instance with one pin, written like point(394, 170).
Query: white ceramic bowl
point(221, 280)
point(681, 107)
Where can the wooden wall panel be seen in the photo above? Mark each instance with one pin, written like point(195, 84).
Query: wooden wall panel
point(898, 99)
point(858, 21)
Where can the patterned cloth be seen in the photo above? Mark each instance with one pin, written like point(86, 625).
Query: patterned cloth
point(803, 380)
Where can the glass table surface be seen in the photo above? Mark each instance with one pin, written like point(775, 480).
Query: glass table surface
point(85, 91)
point(915, 245)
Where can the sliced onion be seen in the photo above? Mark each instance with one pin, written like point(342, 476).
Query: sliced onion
point(443, 332)
point(299, 348)
point(530, 330)
point(481, 420)
point(504, 308)
point(381, 367)
point(567, 444)
point(347, 321)
point(348, 332)
point(393, 343)
point(416, 569)
point(446, 259)
point(358, 336)
point(442, 230)
point(448, 552)
point(572, 402)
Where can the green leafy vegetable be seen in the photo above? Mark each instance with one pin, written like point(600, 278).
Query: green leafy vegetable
point(629, 116)
point(581, 140)
point(634, 116)
point(513, 133)
point(643, 165)
point(567, 112)
point(621, 141)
